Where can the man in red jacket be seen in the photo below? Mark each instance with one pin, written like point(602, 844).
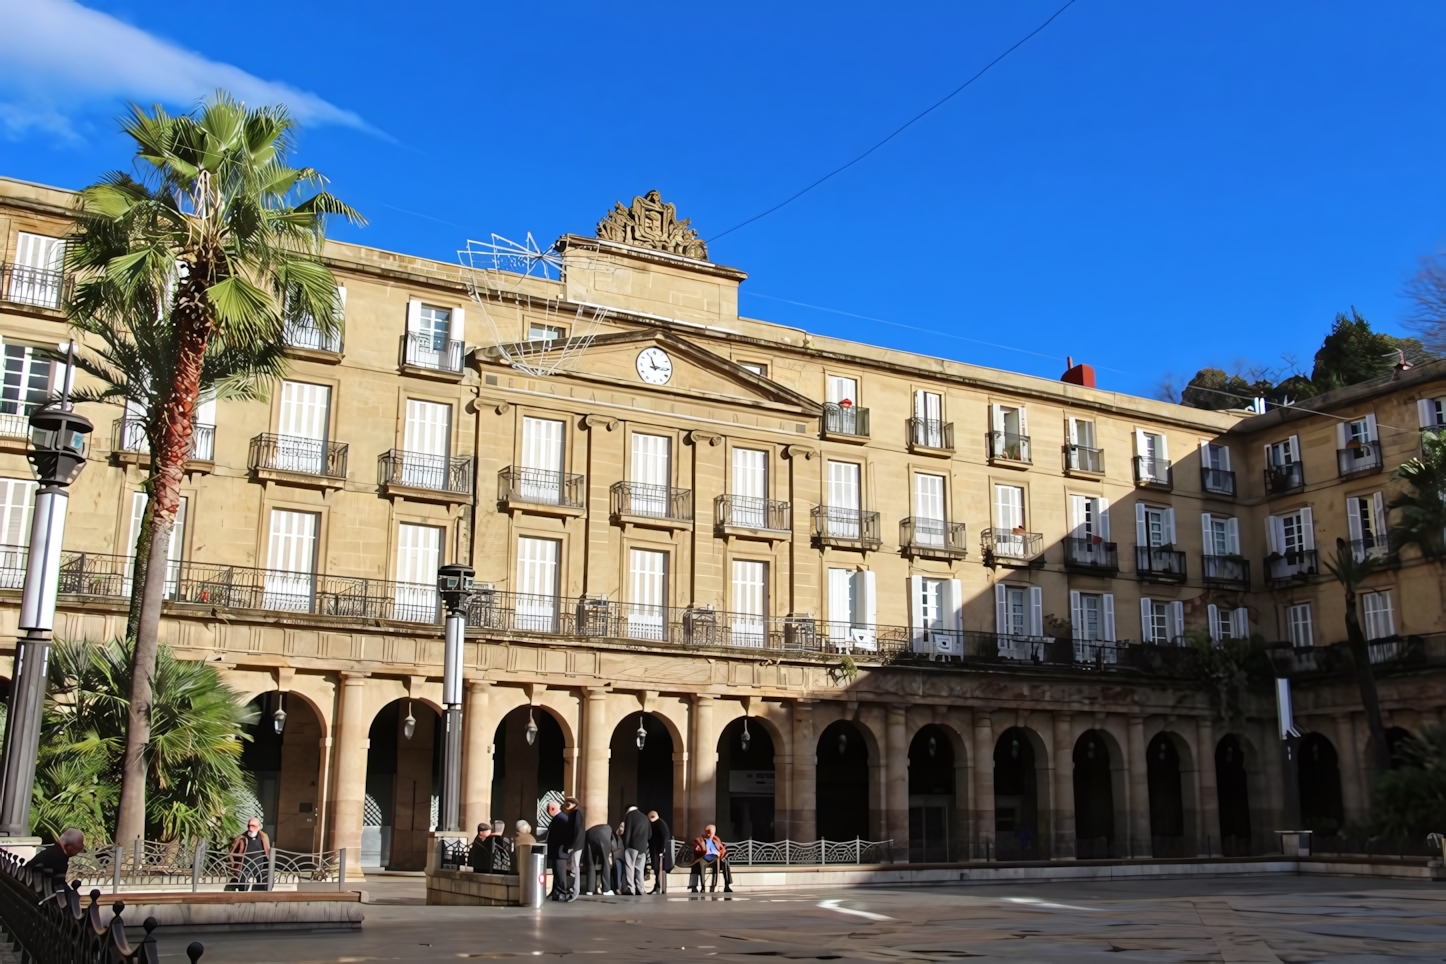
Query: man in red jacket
point(709, 851)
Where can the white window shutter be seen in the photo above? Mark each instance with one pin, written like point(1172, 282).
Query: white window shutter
point(1353, 518)
point(1240, 623)
point(996, 417)
point(954, 607)
point(1140, 442)
point(206, 412)
point(1078, 509)
point(1371, 427)
point(867, 598)
point(457, 325)
point(1076, 614)
point(1295, 448)
point(1212, 613)
point(916, 606)
point(340, 302)
point(1177, 620)
point(1023, 421)
point(1164, 452)
point(1205, 453)
point(1107, 604)
point(1036, 611)
point(1207, 534)
point(1426, 412)
point(1232, 535)
point(1071, 426)
point(1170, 526)
point(1142, 535)
point(1272, 534)
point(1307, 528)
point(1001, 608)
point(1267, 454)
point(1225, 458)
point(1378, 518)
point(838, 599)
point(1145, 613)
point(414, 315)
point(1342, 437)
point(1104, 512)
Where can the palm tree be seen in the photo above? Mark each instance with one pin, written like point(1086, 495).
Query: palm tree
point(221, 212)
point(1350, 572)
point(1422, 507)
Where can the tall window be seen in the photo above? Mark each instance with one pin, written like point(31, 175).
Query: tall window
point(1282, 453)
point(1018, 610)
point(843, 500)
point(536, 606)
point(419, 552)
point(750, 488)
point(1082, 432)
point(929, 419)
point(1365, 518)
point(26, 386)
point(1009, 438)
point(851, 615)
point(1216, 457)
point(1154, 456)
point(1154, 525)
point(1009, 520)
point(291, 561)
point(929, 518)
point(651, 474)
point(1297, 625)
point(17, 502)
point(1380, 617)
point(843, 392)
point(1092, 616)
point(843, 389)
point(542, 460)
point(435, 324)
point(1432, 413)
point(303, 422)
point(750, 603)
point(426, 444)
point(1221, 535)
point(35, 278)
point(648, 594)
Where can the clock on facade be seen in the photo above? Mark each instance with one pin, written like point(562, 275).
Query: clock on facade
point(654, 366)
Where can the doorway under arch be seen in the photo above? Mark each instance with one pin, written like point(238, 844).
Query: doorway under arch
point(404, 785)
point(1321, 807)
point(286, 765)
point(641, 778)
point(526, 774)
point(746, 782)
point(1233, 796)
point(1016, 797)
point(843, 782)
point(1167, 798)
point(931, 795)
point(1094, 797)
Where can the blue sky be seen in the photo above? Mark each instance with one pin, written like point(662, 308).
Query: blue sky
point(1150, 187)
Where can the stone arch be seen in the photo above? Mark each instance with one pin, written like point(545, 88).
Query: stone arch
point(640, 777)
point(525, 774)
point(1171, 813)
point(1321, 808)
point(286, 765)
point(844, 778)
point(747, 779)
point(403, 784)
point(1097, 795)
point(1235, 763)
point(933, 795)
point(1021, 795)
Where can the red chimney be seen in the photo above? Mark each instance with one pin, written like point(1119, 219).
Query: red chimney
point(1080, 374)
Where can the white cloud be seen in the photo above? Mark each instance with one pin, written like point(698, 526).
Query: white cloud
point(58, 58)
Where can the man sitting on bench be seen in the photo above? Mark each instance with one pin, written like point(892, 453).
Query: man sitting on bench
point(709, 851)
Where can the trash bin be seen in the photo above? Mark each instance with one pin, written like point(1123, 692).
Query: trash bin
point(532, 877)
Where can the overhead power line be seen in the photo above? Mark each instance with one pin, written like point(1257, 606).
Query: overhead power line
point(917, 117)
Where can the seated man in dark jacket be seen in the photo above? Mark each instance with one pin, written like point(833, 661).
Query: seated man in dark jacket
point(54, 861)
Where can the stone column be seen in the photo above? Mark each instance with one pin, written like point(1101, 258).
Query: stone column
point(595, 752)
point(1210, 842)
point(1352, 793)
point(350, 780)
point(1064, 829)
point(1139, 783)
point(805, 774)
point(983, 785)
point(896, 796)
point(476, 757)
point(705, 767)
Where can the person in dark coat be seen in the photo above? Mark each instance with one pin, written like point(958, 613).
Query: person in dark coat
point(477, 856)
point(598, 861)
point(557, 835)
point(576, 845)
point(660, 852)
point(53, 862)
point(636, 833)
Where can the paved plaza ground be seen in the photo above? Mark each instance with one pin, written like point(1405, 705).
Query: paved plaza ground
point(1284, 918)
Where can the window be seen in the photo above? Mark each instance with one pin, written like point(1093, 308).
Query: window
point(1162, 622)
point(1089, 532)
point(1009, 534)
point(1282, 453)
point(1153, 457)
point(1356, 445)
point(647, 594)
point(1290, 534)
point(434, 325)
point(26, 386)
point(1215, 474)
point(305, 413)
point(929, 526)
point(1227, 623)
point(36, 275)
point(173, 551)
point(17, 502)
point(1154, 526)
point(851, 609)
point(537, 332)
point(1297, 625)
point(1082, 432)
point(842, 413)
point(757, 368)
point(1010, 433)
point(536, 607)
point(1380, 620)
point(434, 336)
point(1215, 457)
point(936, 615)
point(842, 389)
point(419, 551)
point(843, 500)
point(1221, 534)
point(291, 561)
point(928, 419)
point(302, 331)
point(1432, 413)
point(1018, 610)
point(750, 603)
point(1092, 616)
point(1365, 518)
point(542, 460)
point(750, 488)
point(426, 444)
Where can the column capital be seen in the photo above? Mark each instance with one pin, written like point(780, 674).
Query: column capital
point(595, 692)
point(478, 684)
point(982, 720)
point(700, 699)
point(348, 677)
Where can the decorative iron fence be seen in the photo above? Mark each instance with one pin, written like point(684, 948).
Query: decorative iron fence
point(1218, 482)
point(1156, 562)
point(749, 512)
point(931, 433)
point(1358, 458)
point(307, 334)
point(159, 866)
point(420, 471)
point(652, 501)
point(517, 483)
point(921, 536)
point(495, 857)
point(784, 853)
point(1082, 458)
point(1092, 553)
point(845, 420)
point(301, 456)
point(1294, 564)
point(1231, 571)
point(1152, 471)
point(38, 287)
point(424, 350)
point(833, 525)
point(1007, 544)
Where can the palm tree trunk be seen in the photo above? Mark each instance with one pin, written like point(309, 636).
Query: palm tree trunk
point(140, 564)
point(1380, 755)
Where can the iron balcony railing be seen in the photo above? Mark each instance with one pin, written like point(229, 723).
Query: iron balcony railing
point(652, 501)
point(517, 483)
point(845, 420)
point(1092, 553)
point(750, 512)
point(1159, 562)
point(1218, 482)
point(14, 425)
point(1008, 447)
point(38, 287)
point(1230, 571)
point(1293, 564)
point(1375, 547)
point(1082, 458)
point(1358, 458)
point(128, 434)
point(1284, 478)
point(300, 456)
point(421, 471)
point(923, 536)
point(161, 866)
point(423, 350)
point(755, 853)
point(307, 334)
point(1011, 543)
point(833, 525)
point(1152, 471)
point(931, 433)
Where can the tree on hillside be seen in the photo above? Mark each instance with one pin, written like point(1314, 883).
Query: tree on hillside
point(1353, 353)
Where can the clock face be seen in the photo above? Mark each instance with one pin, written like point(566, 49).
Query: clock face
point(654, 366)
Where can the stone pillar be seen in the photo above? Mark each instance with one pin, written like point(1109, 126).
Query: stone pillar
point(1347, 757)
point(350, 781)
point(705, 767)
point(595, 752)
point(805, 774)
point(1139, 784)
point(983, 786)
point(896, 796)
point(1210, 842)
point(1064, 829)
point(476, 757)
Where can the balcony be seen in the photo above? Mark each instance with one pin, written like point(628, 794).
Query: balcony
point(1159, 564)
point(131, 447)
point(298, 461)
point(306, 340)
point(651, 506)
point(929, 436)
point(14, 429)
point(1218, 482)
point(426, 354)
point(845, 422)
point(37, 287)
point(1378, 549)
point(1359, 459)
point(1227, 572)
point(1296, 565)
point(1092, 555)
point(846, 528)
point(540, 491)
point(1006, 448)
point(750, 517)
point(1083, 460)
point(1152, 472)
point(921, 538)
point(1012, 547)
point(426, 478)
point(1280, 479)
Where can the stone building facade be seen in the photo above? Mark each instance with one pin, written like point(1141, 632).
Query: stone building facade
point(731, 570)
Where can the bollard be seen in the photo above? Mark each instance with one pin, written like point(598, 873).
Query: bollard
point(341, 871)
point(196, 865)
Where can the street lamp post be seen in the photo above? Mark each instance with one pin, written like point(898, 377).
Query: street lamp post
point(57, 454)
point(454, 584)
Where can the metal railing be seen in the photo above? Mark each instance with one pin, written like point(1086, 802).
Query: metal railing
point(1092, 553)
point(423, 350)
point(1152, 471)
point(1284, 478)
point(1082, 458)
point(1231, 571)
point(1011, 543)
point(202, 865)
point(1360, 457)
point(38, 287)
point(299, 456)
point(750, 512)
point(923, 536)
point(1217, 481)
point(128, 434)
point(540, 487)
point(931, 433)
point(785, 853)
point(436, 472)
point(308, 334)
point(833, 525)
point(845, 420)
point(1295, 564)
point(1376, 547)
point(15, 425)
point(496, 856)
point(652, 501)
point(1158, 562)
point(1008, 447)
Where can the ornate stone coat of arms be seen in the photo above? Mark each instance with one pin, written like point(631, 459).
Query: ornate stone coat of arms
point(650, 223)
